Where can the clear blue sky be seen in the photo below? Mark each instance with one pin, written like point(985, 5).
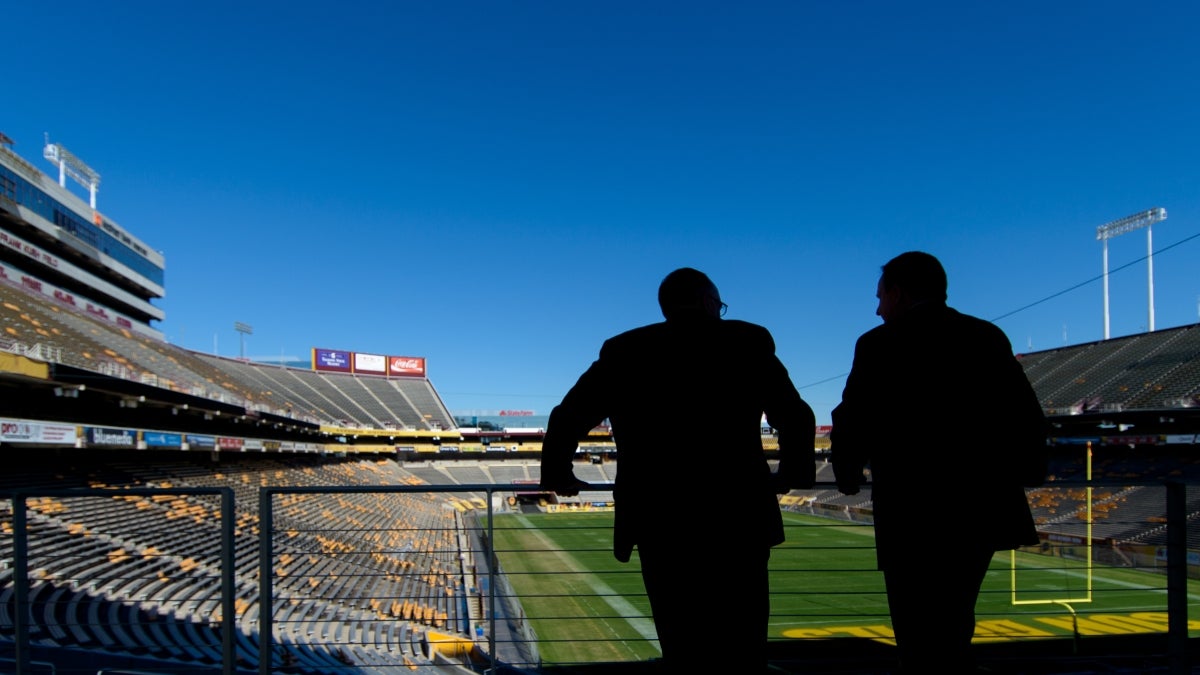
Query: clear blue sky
point(500, 186)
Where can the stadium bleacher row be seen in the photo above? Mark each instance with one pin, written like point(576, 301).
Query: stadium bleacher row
point(359, 577)
point(1159, 370)
point(35, 325)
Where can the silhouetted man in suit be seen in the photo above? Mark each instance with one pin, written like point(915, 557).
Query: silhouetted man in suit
point(694, 493)
point(939, 409)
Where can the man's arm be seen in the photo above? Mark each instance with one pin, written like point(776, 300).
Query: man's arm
point(847, 446)
point(579, 412)
point(1027, 423)
point(797, 452)
point(796, 425)
point(848, 462)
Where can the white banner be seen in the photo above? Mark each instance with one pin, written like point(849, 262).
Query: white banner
point(23, 431)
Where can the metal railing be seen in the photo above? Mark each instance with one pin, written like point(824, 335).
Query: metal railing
point(391, 578)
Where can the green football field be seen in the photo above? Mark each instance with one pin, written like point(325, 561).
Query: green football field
point(584, 606)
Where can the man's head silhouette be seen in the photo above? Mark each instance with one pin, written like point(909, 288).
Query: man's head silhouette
point(907, 280)
point(688, 292)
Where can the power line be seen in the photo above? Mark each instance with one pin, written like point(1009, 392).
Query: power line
point(828, 379)
point(1093, 279)
point(1045, 299)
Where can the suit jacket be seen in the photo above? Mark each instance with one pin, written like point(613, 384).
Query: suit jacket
point(940, 410)
point(685, 399)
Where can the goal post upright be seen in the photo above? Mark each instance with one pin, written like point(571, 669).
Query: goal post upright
point(1088, 557)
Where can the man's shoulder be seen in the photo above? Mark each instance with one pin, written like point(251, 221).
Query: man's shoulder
point(739, 326)
point(634, 338)
point(918, 323)
point(876, 334)
point(732, 330)
point(640, 333)
point(978, 325)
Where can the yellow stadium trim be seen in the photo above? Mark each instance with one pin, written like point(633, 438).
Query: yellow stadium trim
point(23, 365)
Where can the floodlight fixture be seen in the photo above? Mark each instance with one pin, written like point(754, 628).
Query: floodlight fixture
point(1121, 226)
point(245, 329)
point(70, 165)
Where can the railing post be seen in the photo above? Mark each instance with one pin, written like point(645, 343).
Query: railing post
point(489, 547)
point(20, 583)
point(1177, 605)
point(228, 588)
point(265, 557)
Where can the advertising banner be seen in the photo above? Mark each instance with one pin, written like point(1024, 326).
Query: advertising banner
point(105, 437)
point(334, 360)
point(20, 431)
point(158, 439)
point(373, 364)
point(201, 442)
point(1131, 440)
point(227, 443)
point(408, 366)
point(342, 361)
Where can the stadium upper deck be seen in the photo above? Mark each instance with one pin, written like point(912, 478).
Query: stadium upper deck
point(77, 293)
point(55, 244)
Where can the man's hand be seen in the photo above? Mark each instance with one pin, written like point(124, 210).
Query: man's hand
point(849, 485)
point(849, 478)
point(785, 481)
point(565, 487)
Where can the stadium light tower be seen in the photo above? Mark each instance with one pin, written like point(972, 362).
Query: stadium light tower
point(70, 165)
point(244, 329)
point(1128, 224)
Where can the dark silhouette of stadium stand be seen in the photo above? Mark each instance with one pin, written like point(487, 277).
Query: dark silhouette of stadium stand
point(1065, 385)
point(1118, 370)
point(1143, 371)
point(1132, 370)
point(1179, 379)
point(1120, 514)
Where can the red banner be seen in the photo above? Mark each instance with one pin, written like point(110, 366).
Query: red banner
point(413, 366)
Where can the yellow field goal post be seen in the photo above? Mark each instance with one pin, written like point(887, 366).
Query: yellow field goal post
point(1088, 562)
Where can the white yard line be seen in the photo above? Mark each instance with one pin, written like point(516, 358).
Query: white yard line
point(643, 625)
